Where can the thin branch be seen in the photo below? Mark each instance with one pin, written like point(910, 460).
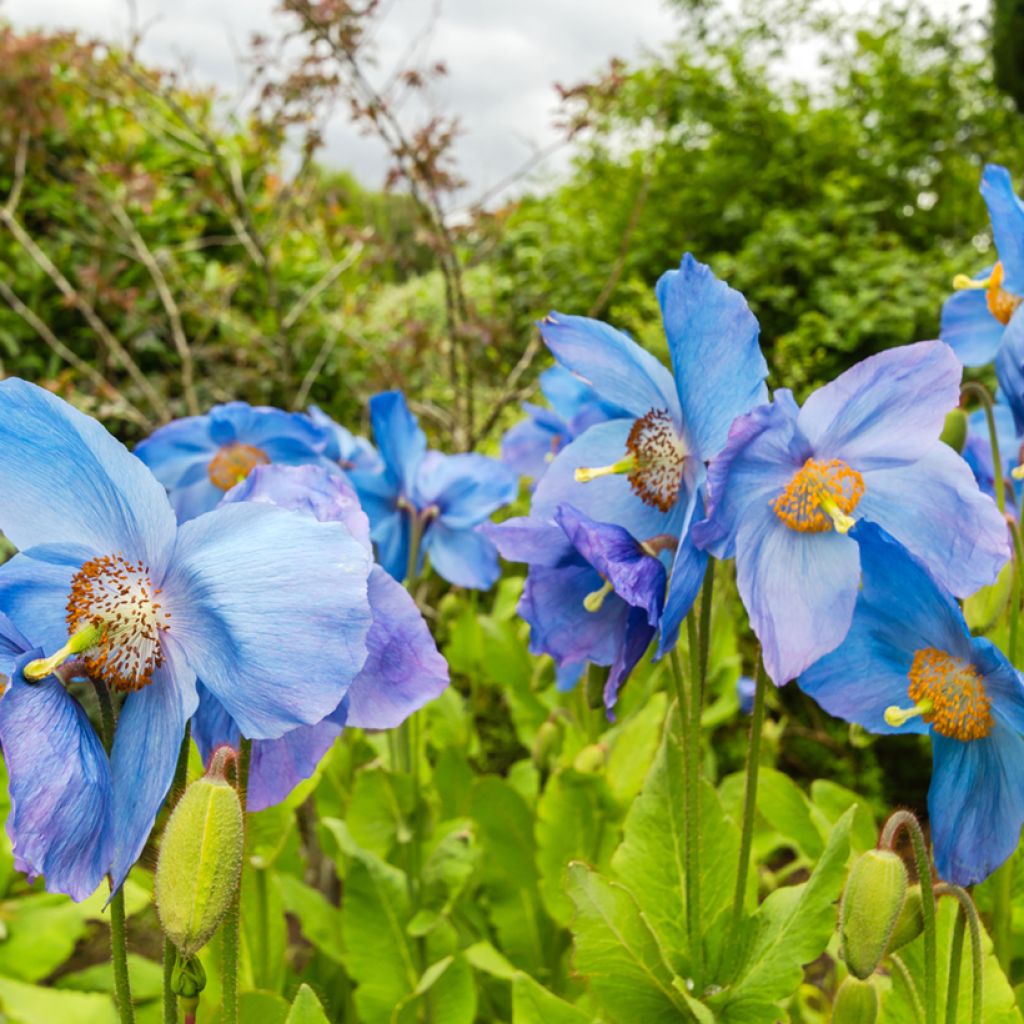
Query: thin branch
point(302, 395)
point(313, 293)
point(20, 162)
point(512, 392)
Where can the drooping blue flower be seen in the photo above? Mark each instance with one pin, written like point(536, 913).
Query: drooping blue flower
point(439, 499)
point(646, 472)
point(786, 488)
point(975, 317)
point(199, 459)
point(977, 452)
point(530, 445)
point(348, 450)
point(592, 592)
point(910, 664)
point(267, 607)
point(402, 672)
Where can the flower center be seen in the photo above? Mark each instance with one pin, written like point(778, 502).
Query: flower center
point(114, 603)
point(233, 463)
point(1001, 303)
point(949, 693)
point(820, 497)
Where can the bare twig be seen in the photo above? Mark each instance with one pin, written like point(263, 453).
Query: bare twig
point(302, 395)
point(313, 293)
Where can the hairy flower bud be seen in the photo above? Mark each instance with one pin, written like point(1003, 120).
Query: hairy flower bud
point(872, 901)
point(200, 862)
point(954, 432)
point(547, 745)
point(856, 1002)
point(911, 920)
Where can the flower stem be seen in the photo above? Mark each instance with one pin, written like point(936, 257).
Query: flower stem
point(232, 922)
point(907, 978)
point(170, 1000)
point(900, 820)
point(968, 915)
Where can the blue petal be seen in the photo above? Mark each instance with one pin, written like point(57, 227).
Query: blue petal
point(60, 821)
point(712, 336)
point(1010, 367)
point(688, 569)
point(799, 590)
point(615, 366)
point(1007, 216)
point(466, 489)
point(212, 726)
point(976, 803)
point(977, 451)
point(378, 495)
point(403, 669)
point(969, 327)
point(391, 535)
point(148, 738)
point(12, 646)
point(401, 442)
point(174, 451)
point(529, 446)
point(270, 609)
point(34, 590)
point(887, 410)
point(1003, 683)
point(529, 539)
point(935, 509)
point(568, 675)
point(67, 481)
point(638, 636)
point(463, 557)
point(350, 451)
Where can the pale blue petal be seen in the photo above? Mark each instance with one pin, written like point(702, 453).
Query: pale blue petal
point(688, 569)
point(969, 328)
point(1007, 214)
point(391, 536)
point(1010, 367)
point(34, 590)
point(401, 442)
point(463, 557)
point(465, 489)
point(529, 539)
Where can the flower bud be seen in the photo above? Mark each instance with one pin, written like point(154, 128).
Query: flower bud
point(200, 862)
point(590, 760)
point(856, 1002)
point(546, 746)
point(188, 978)
point(954, 432)
point(872, 901)
point(911, 920)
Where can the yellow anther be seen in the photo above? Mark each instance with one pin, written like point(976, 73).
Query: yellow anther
point(951, 693)
point(595, 599)
point(820, 497)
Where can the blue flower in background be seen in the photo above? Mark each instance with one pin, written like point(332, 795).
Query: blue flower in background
point(267, 607)
point(592, 593)
point(439, 499)
point(978, 451)
point(645, 472)
point(403, 668)
point(975, 318)
point(529, 446)
point(910, 664)
point(348, 450)
point(199, 459)
point(790, 482)
point(745, 689)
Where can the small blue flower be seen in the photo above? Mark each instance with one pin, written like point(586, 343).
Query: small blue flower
point(267, 607)
point(646, 472)
point(786, 488)
point(529, 446)
point(975, 317)
point(348, 450)
point(440, 498)
point(199, 459)
point(592, 593)
point(403, 668)
point(910, 664)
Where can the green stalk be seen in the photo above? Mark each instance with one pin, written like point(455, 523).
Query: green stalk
point(904, 819)
point(170, 1000)
point(232, 922)
point(904, 972)
point(956, 951)
point(968, 915)
point(118, 924)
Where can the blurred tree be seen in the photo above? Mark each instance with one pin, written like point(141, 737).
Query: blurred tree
point(1008, 48)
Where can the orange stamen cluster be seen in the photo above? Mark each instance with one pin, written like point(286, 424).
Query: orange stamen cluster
point(118, 598)
point(658, 455)
point(233, 463)
point(960, 708)
point(1001, 303)
point(800, 505)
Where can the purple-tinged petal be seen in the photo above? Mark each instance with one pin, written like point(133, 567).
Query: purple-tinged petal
point(529, 539)
point(638, 636)
point(60, 822)
point(1007, 214)
point(887, 410)
point(969, 328)
point(463, 557)
point(713, 338)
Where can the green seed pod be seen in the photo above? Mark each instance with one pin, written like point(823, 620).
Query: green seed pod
point(911, 920)
point(547, 745)
point(872, 901)
point(856, 1002)
point(200, 862)
point(954, 432)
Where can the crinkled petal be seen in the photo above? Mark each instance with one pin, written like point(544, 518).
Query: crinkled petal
point(530, 539)
point(887, 410)
point(612, 363)
point(401, 442)
point(466, 489)
point(935, 509)
point(713, 338)
point(60, 823)
point(969, 328)
point(1010, 367)
point(638, 636)
point(67, 481)
point(270, 608)
point(976, 803)
point(404, 669)
point(34, 589)
point(463, 557)
point(149, 732)
point(1007, 214)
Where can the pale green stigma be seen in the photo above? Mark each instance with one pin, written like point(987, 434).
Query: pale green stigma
point(840, 520)
point(585, 474)
point(897, 716)
point(595, 599)
point(78, 644)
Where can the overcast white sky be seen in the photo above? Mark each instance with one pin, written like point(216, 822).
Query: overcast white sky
point(503, 57)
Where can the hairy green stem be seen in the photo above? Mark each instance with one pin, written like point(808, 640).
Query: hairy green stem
point(232, 922)
point(170, 1000)
point(968, 916)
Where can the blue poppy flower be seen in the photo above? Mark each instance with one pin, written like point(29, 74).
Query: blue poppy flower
point(199, 459)
point(592, 593)
point(529, 446)
point(441, 499)
point(910, 664)
point(348, 450)
point(975, 317)
point(977, 451)
point(268, 608)
point(645, 473)
point(402, 672)
point(786, 488)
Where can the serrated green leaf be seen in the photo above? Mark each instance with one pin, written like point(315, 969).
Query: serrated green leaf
point(534, 1004)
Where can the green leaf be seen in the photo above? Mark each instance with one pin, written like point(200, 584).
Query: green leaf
point(264, 936)
point(786, 808)
point(834, 800)
point(484, 957)
point(634, 747)
point(380, 809)
point(320, 920)
point(147, 979)
point(533, 1004)
point(306, 1008)
point(619, 954)
point(982, 609)
point(29, 1004)
point(447, 989)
